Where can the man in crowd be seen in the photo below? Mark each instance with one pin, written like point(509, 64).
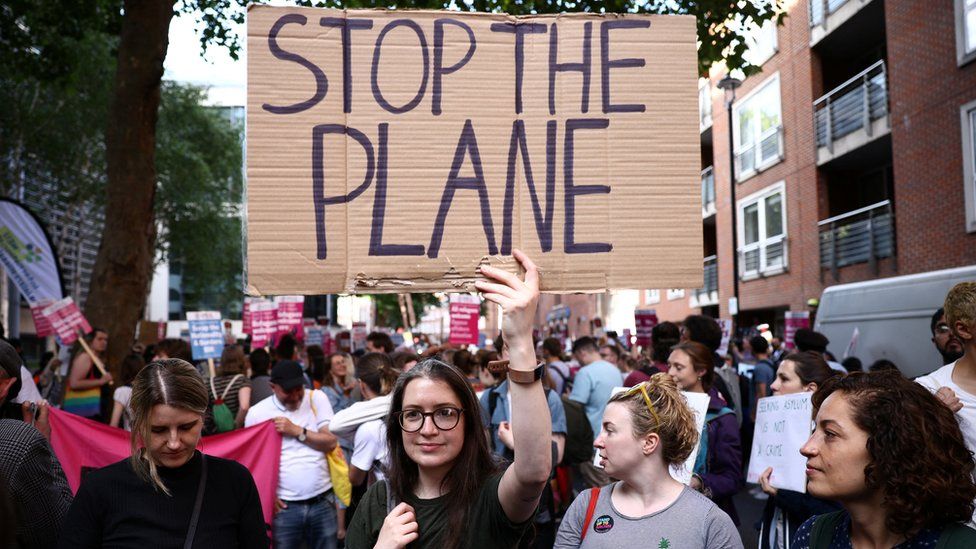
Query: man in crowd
point(955, 383)
point(379, 342)
point(552, 352)
point(808, 340)
point(28, 469)
point(592, 388)
point(305, 504)
point(763, 373)
point(705, 330)
point(945, 341)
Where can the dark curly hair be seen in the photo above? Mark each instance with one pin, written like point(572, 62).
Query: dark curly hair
point(919, 459)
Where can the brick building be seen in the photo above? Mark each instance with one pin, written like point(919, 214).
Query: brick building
point(854, 160)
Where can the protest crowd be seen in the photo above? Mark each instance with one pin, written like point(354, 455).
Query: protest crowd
point(528, 443)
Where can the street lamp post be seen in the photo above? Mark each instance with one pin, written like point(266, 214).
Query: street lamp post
point(729, 84)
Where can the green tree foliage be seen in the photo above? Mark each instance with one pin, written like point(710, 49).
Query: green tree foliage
point(388, 308)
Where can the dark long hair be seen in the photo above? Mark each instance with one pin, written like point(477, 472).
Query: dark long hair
point(919, 459)
point(473, 465)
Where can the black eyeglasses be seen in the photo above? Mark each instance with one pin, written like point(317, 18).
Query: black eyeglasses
point(445, 419)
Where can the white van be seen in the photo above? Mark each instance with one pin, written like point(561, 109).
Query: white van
point(892, 317)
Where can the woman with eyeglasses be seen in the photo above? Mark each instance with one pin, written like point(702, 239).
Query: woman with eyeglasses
point(646, 430)
point(444, 490)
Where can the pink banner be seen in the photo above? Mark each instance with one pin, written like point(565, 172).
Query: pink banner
point(66, 319)
point(82, 444)
point(794, 321)
point(645, 320)
point(290, 309)
point(246, 316)
point(264, 323)
point(464, 323)
point(42, 326)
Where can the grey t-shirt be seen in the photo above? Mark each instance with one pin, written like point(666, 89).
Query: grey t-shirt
point(691, 521)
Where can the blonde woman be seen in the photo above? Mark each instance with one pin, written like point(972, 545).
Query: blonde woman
point(167, 494)
point(645, 431)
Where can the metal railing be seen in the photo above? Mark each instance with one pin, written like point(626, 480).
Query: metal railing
point(820, 9)
point(703, 295)
point(852, 106)
point(863, 235)
point(750, 159)
point(708, 191)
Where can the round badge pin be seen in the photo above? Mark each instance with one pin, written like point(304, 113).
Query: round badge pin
point(603, 524)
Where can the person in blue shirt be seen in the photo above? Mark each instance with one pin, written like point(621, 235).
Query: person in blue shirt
point(595, 381)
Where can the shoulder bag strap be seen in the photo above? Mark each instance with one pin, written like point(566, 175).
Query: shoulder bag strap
point(229, 385)
point(390, 499)
point(213, 389)
point(197, 504)
point(590, 509)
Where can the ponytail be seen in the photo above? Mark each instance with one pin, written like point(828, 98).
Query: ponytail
point(377, 372)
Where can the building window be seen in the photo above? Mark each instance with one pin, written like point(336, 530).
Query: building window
point(758, 130)
point(704, 104)
point(762, 233)
point(676, 294)
point(761, 41)
point(968, 119)
point(652, 296)
point(965, 31)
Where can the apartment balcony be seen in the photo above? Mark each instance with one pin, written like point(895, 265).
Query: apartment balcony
point(826, 16)
point(864, 235)
point(852, 114)
point(708, 192)
point(707, 295)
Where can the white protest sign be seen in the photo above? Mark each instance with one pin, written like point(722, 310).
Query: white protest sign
point(698, 402)
point(726, 325)
point(782, 428)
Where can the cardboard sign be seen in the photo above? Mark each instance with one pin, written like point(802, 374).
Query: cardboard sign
point(397, 151)
point(66, 320)
point(206, 334)
point(782, 428)
point(795, 320)
point(698, 402)
point(464, 310)
point(645, 321)
point(290, 308)
point(264, 322)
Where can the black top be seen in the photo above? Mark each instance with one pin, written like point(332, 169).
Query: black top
point(116, 508)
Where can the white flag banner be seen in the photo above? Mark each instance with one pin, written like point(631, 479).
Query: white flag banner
point(27, 254)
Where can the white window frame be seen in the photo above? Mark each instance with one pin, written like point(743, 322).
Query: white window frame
point(763, 243)
point(756, 40)
point(967, 116)
point(652, 296)
point(964, 52)
point(704, 104)
point(675, 293)
point(740, 105)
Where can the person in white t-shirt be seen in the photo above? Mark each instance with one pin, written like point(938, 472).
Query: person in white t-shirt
point(370, 455)
point(305, 506)
point(955, 383)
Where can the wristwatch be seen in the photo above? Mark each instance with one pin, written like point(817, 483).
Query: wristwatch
point(304, 436)
point(525, 378)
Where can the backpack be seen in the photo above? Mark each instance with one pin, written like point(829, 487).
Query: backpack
point(954, 536)
point(701, 460)
point(222, 417)
point(579, 434)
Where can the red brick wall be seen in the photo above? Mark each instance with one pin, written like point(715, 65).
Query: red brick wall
point(927, 89)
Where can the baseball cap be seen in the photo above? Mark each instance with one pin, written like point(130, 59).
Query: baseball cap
point(287, 374)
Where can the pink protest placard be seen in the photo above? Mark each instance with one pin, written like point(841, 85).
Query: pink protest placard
point(246, 315)
point(264, 322)
point(66, 319)
point(290, 308)
point(645, 321)
point(464, 311)
point(795, 320)
point(42, 326)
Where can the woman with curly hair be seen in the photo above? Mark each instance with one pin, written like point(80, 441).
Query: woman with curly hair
point(893, 456)
point(647, 430)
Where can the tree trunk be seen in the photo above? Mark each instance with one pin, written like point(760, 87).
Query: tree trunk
point(123, 269)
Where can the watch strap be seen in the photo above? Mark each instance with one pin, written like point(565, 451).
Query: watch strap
point(517, 376)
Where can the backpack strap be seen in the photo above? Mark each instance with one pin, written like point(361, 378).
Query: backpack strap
point(229, 385)
point(390, 499)
point(213, 389)
point(822, 532)
point(590, 509)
